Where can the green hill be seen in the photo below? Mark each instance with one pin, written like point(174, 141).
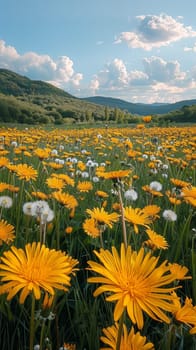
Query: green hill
point(140, 108)
point(23, 100)
point(14, 84)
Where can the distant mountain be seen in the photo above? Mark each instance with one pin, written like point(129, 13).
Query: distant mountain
point(139, 108)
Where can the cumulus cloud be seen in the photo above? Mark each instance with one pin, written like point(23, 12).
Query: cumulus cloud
point(115, 76)
point(160, 70)
point(155, 31)
point(159, 81)
point(60, 72)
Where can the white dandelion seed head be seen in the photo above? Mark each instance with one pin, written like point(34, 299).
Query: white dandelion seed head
point(83, 151)
point(38, 207)
point(131, 195)
point(59, 161)
point(153, 171)
point(114, 192)
point(27, 208)
point(54, 152)
point(145, 156)
point(95, 179)
point(6, 202)
point(169, 215)
point(47, 216)
point(85, 174)
point(14, 144)
point(156, 186)
point(36, 347)
point(165, 167)
point(90, 163)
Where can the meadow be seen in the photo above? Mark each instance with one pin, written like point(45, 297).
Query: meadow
point(98, 238)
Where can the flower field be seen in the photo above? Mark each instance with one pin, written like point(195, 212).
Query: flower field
point(98, 238)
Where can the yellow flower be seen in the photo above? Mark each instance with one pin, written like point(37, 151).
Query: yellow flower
point(102, 217)
point(13, 188)
point(3, 186)
point(152, 211)
point(156, 241)
point(114, 175)
point(42, 153)
point(47, 301)
point(129, 341)
point(67, 200)
point(25, 172)
point(90, 228)
point(69, 230)
point(34, 269)
point(135, 282)
point(189, 195)
point(84, 186)
point(186, 313)
point(6, 232)
point(179, 183)
point(179, 271)
point(55, 183)
point(54, 165)
point(147, 119)
point(4, 162)
point(69, 346)
point(136, 217)
point(101, 194)
point(40, 195)
point(67, 179)
point(147, 188)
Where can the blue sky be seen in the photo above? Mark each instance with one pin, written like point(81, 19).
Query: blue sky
point(138, 51)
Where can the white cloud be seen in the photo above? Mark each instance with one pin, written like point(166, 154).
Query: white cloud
point(193, 48)
point(160, 81)
point(94, 85)
point(116, 76)
point(60, 72)
point(160, 70)
point(155, 31)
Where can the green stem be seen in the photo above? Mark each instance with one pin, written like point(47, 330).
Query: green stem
point(42, 336)
point(120, 330)
point(101, 239)
point(193, 258)
point(32, 325)
point(18, 210)
point(180, 239)
point(123, 218)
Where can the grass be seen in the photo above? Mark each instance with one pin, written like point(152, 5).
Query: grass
point(79, 317)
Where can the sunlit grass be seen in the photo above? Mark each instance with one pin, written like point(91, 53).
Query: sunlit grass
point(78, 190)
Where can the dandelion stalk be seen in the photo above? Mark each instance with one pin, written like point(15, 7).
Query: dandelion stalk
point(120, 330)
point(123, 218)
point(101, 239)
point(32, 324)
point(18, 217)
point(42, 336)
point(193, 258)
